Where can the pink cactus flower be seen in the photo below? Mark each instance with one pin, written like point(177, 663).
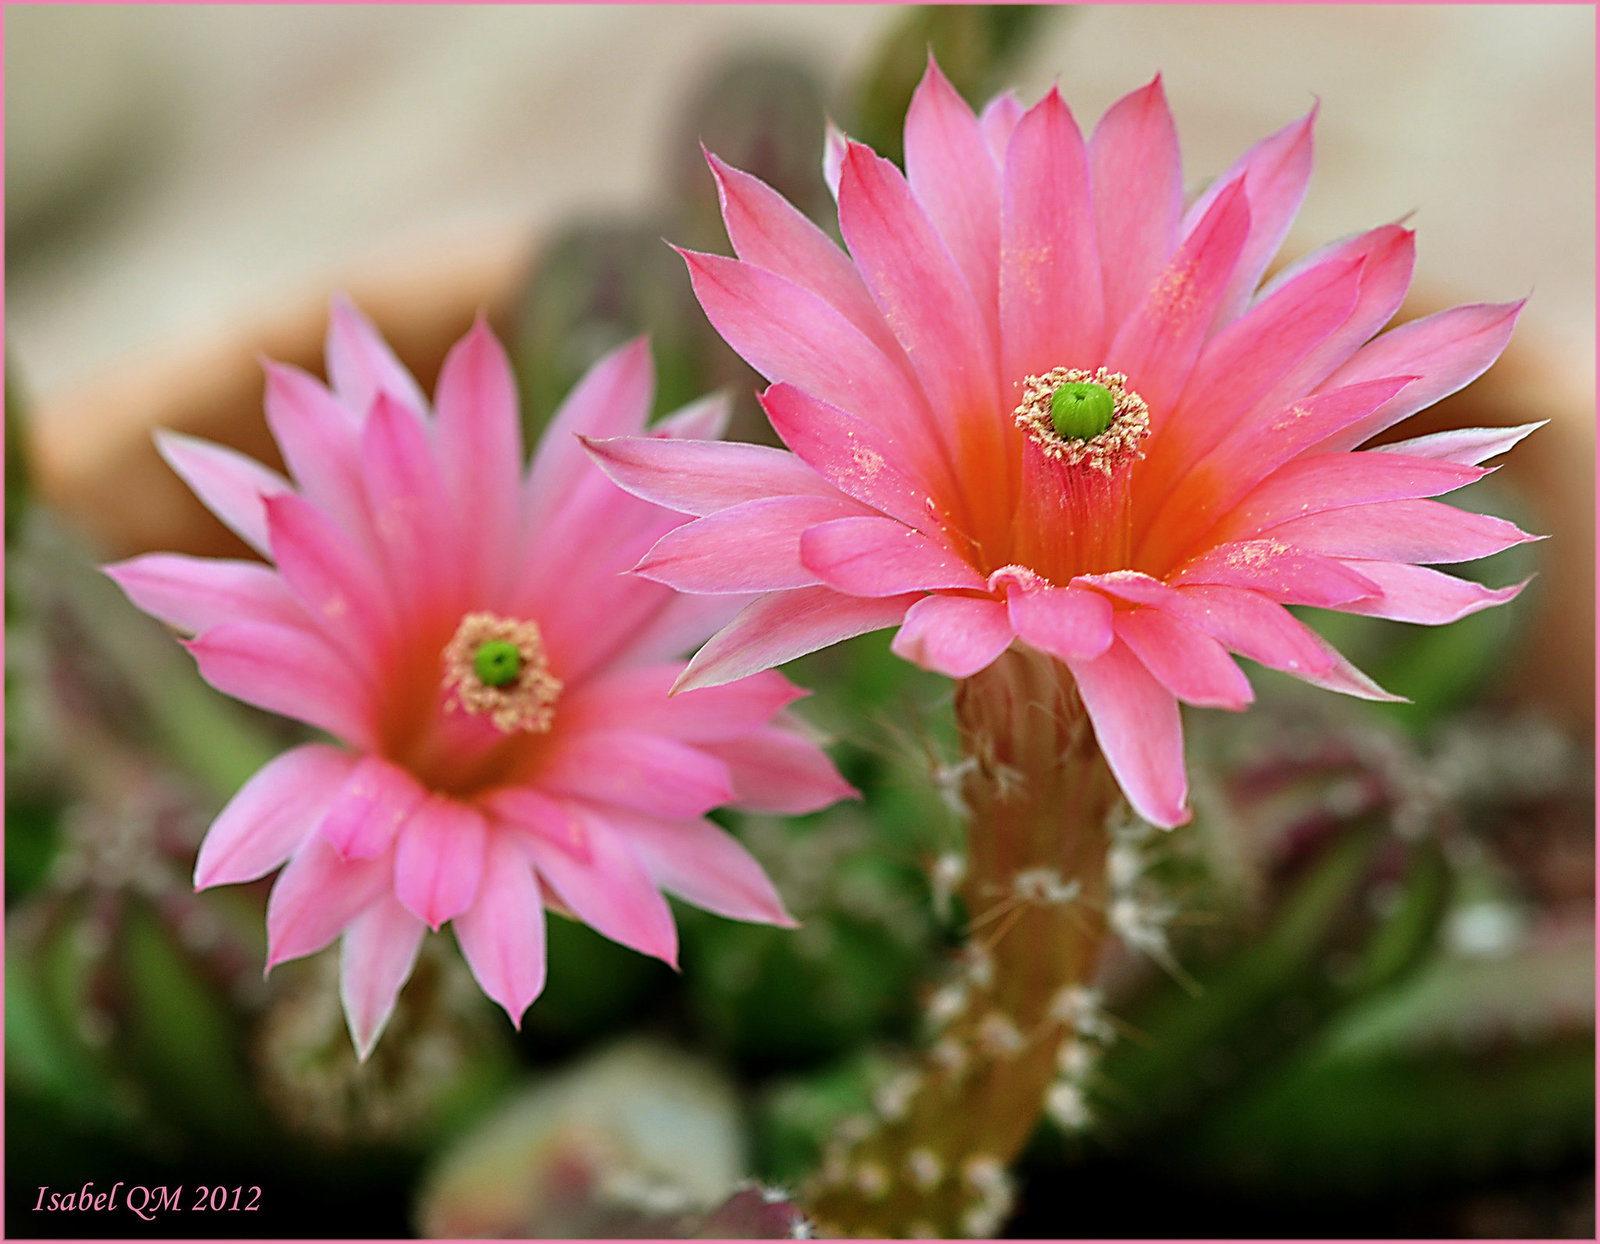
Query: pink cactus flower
point(1041, 401)
point(497, 684)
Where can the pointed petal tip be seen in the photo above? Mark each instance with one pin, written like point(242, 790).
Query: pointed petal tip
point(692, 679)
point(364, 1045)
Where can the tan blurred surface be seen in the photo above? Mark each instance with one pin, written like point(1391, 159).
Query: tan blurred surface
point(279, 146)
point(237, 163)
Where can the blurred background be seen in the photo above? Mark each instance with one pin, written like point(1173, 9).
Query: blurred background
point(1390, 909)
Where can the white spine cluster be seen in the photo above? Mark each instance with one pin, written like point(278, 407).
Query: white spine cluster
point(1079, 1008)
point(999, 1035)
point(892, 1101)
point(951, 1055)
point(947, 780)
point(1134, 916)
point(979, 966)
point(872, 1181)
point(949, 871)
point(1065, 1103)
point(925, 1169)
point(1044, 885)
point(947, 1002)
point(987, 1178)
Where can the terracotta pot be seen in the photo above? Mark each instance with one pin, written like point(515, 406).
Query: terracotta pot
point(97, 465)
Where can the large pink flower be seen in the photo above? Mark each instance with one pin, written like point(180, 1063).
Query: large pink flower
point(464, 628)
point(931, 486)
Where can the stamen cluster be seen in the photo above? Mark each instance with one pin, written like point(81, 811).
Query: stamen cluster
point(526, 702)
point(1118, 444)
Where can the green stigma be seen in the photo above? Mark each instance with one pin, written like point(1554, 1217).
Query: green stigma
point(497, 663)
point(1080, 410)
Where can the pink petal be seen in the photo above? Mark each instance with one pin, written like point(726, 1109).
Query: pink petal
point(1387, 255)
point(480, 447)
point(1249, 624)
point(1248, 454)
point(365, 815)
point(1401, 531)
point(998, 121)
point(579, 553)
point(1158, 343)
point(788, 333)
point(613, 894)
point(1446, 350)
point(1278, 572)
point(316, 896)
point(702, 477)
point(1136, 723)
point(753, 547)
point(1066, 622)
point(780, 626)
point(769, 233)
point(439, 860)
point(271, 815)
point(612, 399)
point(1184, 660)
point(521, 810)
point(954, 635)
point(375, 960)
point(361, 365)
point(854, 456)
point(1051, 309)
point(230, 485)
point(681, 624)
point(636, 770)
point(1136, 588)
point(193, 593)
point(1137, 173)
point(287, 670)
point(338, 586)
point(1467, 446)
point(1417, 594)
point(1253, 626)
point(1274, 173)
point(921, 292)
point(593, 627)
point(875, 556)
point(1238, 367)
point(411, 512)
point(640, 697)
point(502, 934)
point(781, 772)
point(704, 419)
point(953, 178)
point(706, 866)
point(320, 438)
point(834, 146)
point(1327, 481)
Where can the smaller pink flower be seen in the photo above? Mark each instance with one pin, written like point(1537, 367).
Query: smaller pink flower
point(497, 685)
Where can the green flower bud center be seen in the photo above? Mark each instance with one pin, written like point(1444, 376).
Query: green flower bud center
point(1080, 410)
point(497, 663)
